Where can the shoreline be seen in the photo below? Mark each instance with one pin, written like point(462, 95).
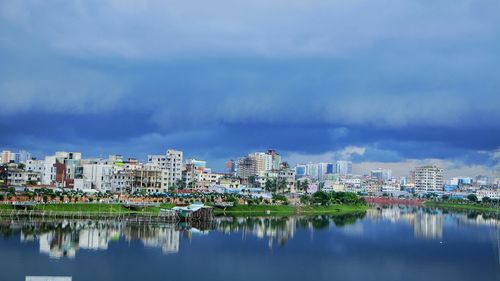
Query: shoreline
point(459, 206)
point(287, 210)
point(111, 210)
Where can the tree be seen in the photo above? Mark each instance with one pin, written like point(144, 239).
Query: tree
point(486, 199)
point(2, 197)
point(321, 198)
point(281, 185)
point(280, 197)
point(251, 180)
point(270, 184)
point(472, 197)
point(305, 185)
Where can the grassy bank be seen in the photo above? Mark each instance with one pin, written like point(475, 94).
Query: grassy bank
point(284, 210)
point(240, 210)
point(90, 208)
point(461, 206)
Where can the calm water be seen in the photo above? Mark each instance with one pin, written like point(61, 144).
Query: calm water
point(384, 244)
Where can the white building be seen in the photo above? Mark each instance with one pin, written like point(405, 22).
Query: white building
point(428, 179)
point(49, 171)
point(343, 168)
point(171, 164)
point(35, 166)
point(99, 176)
point(490, 193)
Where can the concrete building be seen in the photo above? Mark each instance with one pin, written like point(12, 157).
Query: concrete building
point(428, 179)
point(312, 171)
point(35, 166)
point(325, 169)
point(6, 157)
point(275, 159)
point(343, 168)
point(246, 167)
point(99, 175)
point(170, 164)
point(300, 171)
point(381, 174)
point(20, 177)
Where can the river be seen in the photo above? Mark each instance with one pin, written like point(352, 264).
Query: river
point(385, 243)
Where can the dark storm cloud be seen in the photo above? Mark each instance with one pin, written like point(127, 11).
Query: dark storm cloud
point(410, 79)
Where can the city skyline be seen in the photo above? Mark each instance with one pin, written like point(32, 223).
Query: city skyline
point(399, 85)
point(396, 170)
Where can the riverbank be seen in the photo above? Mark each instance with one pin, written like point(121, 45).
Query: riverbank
point(88, 208)
point(287, 210)
point(460, 206)
point(239, 210)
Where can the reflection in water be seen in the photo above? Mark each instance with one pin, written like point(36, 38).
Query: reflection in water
point(428, 223)
point(65, 238)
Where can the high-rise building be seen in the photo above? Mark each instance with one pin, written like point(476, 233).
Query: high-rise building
point(343, 168)
point(263, 162)
point(171, 164)
point(324, 169)
point(312, 171)
point(381, 174)
point(429, 179)
point(300, 171)
point(246, 167)
point(6, 156)
point(275, 159)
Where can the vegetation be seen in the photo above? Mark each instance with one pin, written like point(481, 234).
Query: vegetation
point(286, 210)
point(318, 203)
point(322, 198)
point(462, 205)
point(91, 208)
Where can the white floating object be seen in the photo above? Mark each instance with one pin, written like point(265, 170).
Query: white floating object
point(48, 278)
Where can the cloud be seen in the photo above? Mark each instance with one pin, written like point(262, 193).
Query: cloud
point(366, 80)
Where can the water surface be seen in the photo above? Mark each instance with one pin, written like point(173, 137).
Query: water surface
point(390, 243)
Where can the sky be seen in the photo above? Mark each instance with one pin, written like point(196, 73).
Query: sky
point(384, 83)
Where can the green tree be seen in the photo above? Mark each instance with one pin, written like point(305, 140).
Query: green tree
point(281, 185)
point(270, 184)
point(321, 198)
point(472, 197)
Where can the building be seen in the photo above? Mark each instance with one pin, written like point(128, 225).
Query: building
point(170, 164)
point(300, 171)
point(343, 168)
point(312, 171)
point(429, 179)
point(381, 174)
point(246, 167)
point(263, 162)
point(324, 169)
point(275, 159)
point(6, 157)
point(98, 175)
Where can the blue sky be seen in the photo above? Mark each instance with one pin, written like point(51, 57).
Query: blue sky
point(383, 83)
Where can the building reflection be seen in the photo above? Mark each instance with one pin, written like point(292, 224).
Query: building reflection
point(428, 223)
point(63, 239)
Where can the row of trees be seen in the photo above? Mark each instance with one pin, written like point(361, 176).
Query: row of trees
point(330, 198)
